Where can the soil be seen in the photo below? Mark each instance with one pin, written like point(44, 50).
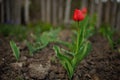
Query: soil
point(101, 64)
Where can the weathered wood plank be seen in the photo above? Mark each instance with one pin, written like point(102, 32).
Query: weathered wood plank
point(54, 12)
point(107, 12)
point(67, 11)
point(60, 14)
point(48, 11)
point(26, 10)
point(43, 12)
point(2, 12)
point(99, 14)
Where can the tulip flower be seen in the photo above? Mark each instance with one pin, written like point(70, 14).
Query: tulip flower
point(84, 11)
point(78, 15)
point(80, 46)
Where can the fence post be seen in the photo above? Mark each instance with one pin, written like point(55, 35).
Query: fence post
point(114, 14)
point(43, 13)
point(107, 12)
point(92, 8)
point(54, 12)
point(118, 18)
point(48, 11)
point(99, 13)
point(26, 12)
point(60, 16)
point(84, 3)
point(7, 10)
point(67, 11)
point(2, 11)
point(16, 11)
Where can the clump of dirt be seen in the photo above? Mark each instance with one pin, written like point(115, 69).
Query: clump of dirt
point(101, 64)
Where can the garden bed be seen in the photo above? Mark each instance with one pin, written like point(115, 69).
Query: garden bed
point(101, 64)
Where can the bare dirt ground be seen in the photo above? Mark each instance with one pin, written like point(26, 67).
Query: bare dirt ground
point(101, 64)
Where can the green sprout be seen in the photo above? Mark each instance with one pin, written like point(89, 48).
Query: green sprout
point(78, 49)
point(41, 41)
point(17, 30)
point(108, 33)
point(15, 49)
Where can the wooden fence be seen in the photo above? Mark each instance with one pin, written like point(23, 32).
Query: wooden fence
point(14, 11)
point(107, 11)
point(60, 11)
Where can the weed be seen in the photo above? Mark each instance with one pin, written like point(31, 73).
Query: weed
point(15, 49)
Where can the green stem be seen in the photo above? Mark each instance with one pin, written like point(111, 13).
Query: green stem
point(83, 36)
point(78, 38)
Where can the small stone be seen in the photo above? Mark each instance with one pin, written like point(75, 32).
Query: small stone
point(76, 78)
point(93, 71)
point(52, 75)
point(95, 77)
point(23, 58)
point(17, 65)
point(88, 76)
point(37, 70)
point(61, 75)
point(3, 59)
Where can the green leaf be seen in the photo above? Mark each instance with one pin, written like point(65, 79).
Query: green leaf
point(31, 48)
point(110, 41)
point(44, 38)
point(81, 34)
point(67, 44)
point(85, 22)
point(15, 49)
point(40, 47)
point(70, 70)
point(65, 61)
point(51, 36)
point(71, 54)
point(108, 33)
point(83, 52)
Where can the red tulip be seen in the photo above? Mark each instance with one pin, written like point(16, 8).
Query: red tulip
point(84, 11)
point(78, 15)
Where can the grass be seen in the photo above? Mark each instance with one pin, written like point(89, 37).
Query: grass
point(20, 32)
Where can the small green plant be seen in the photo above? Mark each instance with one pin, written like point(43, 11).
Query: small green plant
point(13, 30)
point(79, 48)
point(30, 47)
point(108, 33)
point(40, 26)
point(15, 49)
point(41, 41)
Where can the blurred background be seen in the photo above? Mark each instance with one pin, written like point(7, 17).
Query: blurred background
point(30, 28)
point(58, 12)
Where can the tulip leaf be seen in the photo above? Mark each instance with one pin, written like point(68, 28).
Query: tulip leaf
point(15, 49)
point(77, 50)
point(65, 61)
point(83, 52)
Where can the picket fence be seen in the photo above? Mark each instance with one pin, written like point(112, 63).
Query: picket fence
point(59, 12)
